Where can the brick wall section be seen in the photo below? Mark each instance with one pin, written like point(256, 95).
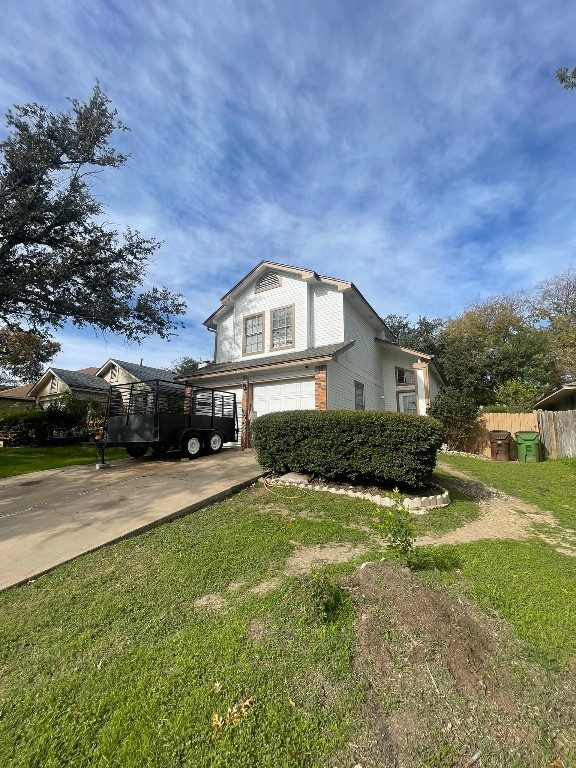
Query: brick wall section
point(245, 412)
point(320, 391)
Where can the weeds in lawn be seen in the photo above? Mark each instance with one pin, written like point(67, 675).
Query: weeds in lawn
point(395, 524)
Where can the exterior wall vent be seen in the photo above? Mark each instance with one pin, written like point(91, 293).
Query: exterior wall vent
point(268, 281)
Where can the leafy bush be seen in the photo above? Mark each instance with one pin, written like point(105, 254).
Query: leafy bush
point(457, 412)
point(356, 446)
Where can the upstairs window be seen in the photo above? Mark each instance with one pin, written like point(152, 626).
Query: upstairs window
point(267, 282)
point(359, 396)
point(113, 374)
point(253, 334)
point(53, 384)
point(282, 330)
point(404, 376)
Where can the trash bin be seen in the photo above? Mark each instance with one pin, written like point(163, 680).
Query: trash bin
point(499, 445)
point(528, 446)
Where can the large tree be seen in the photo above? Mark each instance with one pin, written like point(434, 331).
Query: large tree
point(421, 336)
point(554, 304)
point(59, 261)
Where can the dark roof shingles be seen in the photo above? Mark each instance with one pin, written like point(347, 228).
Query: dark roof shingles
point(239, 365)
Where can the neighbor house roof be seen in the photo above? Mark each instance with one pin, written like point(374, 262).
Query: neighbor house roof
point(314, 354)
point(16, 393)
point(559, 394)
point(344, 286)
point(74, 379)
point(140, 372)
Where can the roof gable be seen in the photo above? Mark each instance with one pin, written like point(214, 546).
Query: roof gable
point(72, 379)
point(139, 372)
point(264, 267)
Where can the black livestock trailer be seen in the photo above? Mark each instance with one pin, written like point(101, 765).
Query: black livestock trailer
point(167, 415)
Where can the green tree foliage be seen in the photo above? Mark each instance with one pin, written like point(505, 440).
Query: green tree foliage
point(184, 365)
point(24, 354)
point(456, 409)
point(554, 305)
point(566, 78)
point(58, 261)
point(421, 336)
point(516, 395)
point(494, 342)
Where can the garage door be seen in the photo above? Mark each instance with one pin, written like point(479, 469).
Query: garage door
point(297, 395)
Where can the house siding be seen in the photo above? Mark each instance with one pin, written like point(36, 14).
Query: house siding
point(362, 363)
point(293, 291)
point(393, 359)
point(326, 324)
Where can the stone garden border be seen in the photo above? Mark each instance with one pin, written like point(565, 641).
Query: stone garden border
point(416, 505)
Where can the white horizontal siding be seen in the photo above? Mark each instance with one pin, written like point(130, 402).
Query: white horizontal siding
point(293, 291)
point(393, 358)
point(361, 363)
point(326, 316)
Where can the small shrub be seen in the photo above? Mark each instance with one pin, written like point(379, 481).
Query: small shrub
point(373, 447)
point(329, 601)
point(395, 524)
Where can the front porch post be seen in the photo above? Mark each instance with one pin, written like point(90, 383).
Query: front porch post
point(245, 413)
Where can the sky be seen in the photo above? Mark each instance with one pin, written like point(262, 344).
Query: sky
point(422, 150)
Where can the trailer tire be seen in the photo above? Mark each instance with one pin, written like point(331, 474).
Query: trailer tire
point(214, 442)
point(191, 444)
point(136, 451)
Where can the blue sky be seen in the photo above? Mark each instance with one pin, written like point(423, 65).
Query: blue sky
point(422, 150)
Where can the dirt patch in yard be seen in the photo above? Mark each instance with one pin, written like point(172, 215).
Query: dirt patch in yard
point(304, 559)
point(439, 687)
point(502, 517)
point(213, 601)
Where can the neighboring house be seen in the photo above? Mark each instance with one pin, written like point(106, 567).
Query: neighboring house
point(288, 338)
point(121, 372)
point(16, 398)
point(56, 382)
point(562, 399)
point(91, 383)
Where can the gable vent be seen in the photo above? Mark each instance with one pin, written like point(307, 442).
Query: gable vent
point(268, 281)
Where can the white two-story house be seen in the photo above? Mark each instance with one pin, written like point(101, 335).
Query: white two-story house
point(287, 338)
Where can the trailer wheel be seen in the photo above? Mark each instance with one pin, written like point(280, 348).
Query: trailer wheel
point(214, 442)
point(191, 445)
point(136, 451)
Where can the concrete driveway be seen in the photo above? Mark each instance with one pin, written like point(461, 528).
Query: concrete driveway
point(47, 518)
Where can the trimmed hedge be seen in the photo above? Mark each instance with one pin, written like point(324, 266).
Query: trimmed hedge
point(377, 447)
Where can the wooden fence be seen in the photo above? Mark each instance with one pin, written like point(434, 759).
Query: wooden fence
point(479, 440)
point(557, 432)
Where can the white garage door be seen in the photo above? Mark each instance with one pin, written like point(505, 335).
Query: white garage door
point(297, 395)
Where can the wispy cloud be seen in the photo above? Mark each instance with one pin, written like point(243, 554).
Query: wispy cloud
point(422, 150)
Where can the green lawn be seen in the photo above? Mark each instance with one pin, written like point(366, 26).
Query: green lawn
point(19, 461)
point(550, 484)
point(125, 656)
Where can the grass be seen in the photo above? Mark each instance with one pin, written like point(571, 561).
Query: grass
point(459, 512)
point(529, 584)
point(20, 461)
point(550, 485)
point(124, 656)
